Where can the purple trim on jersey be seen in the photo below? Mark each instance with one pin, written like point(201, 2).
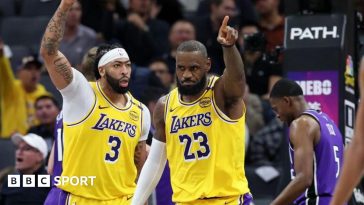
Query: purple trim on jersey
point(328, 160)
point(56, 196)
point(246, 199)
point(58, 143)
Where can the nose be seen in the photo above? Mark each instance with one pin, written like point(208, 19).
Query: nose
point(124, 69)
point(187, 75)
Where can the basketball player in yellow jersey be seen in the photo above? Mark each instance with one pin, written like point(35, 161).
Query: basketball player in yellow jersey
point(105, 128)
point(200, 130)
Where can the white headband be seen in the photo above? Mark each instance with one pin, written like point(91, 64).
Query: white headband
point(113, 55)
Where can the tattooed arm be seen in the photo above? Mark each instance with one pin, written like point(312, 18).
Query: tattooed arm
point(140, 156)
point(56, 63)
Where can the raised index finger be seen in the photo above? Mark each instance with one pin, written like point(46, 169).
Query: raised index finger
point(225, 22)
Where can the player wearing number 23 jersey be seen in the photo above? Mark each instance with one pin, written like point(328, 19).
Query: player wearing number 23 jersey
point(205, 148)
point(200, 129)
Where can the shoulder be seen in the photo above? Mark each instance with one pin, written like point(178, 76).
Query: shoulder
point(163, 100)
point(159, 109)
point(304, 121)
point(304, 127)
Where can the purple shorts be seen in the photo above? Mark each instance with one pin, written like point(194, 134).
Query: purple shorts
point(56, 196)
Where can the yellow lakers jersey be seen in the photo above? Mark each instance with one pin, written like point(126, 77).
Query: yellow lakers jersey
point(102, 146)
point(205, 148)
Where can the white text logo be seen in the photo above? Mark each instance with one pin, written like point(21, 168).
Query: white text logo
point(315, 87)
point(318, 32)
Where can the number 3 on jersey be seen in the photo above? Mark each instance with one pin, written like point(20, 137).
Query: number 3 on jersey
point(198, 137)
point(115, 144)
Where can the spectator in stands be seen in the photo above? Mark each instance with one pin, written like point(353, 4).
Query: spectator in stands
point(87, 65)
point(160, 68)
point(271, 23)
point(143, 37)
point(46, 111)
point(262, 70)
point(101, 16)
point(77, 37)
point(207, 28)
point(254, 113)
point(180, 31)
point(169, 11)
point(150, 98)
point(246, 10)
point(31, 152)
point(18, 96)
point(265, 145)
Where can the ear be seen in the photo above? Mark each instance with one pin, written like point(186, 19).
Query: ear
point(208, 65)
point(102, 71)
point(287, 100)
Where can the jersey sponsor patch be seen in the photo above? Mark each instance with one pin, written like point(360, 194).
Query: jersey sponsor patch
point(205, 102)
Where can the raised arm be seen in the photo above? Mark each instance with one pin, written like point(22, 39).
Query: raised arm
point(56, 63)
point(302, 136)
point(157, 158)
point(7, 79)
point(233, 79)
point(353, 167)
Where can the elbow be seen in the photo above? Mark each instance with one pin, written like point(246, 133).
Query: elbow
point(305, 180)
point(42, 51)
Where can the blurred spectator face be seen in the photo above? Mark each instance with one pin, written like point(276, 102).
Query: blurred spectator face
point(250, 57)
point(87, 66)
point(141, 7)
point(27, 157)
point(29, 75)
point(46, 111)
point(181, 31)
point(265, 7)
point(74, 15)
point(161, 70)
point(226, 8)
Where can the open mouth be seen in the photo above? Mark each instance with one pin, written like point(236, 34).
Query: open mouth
point(19, 160)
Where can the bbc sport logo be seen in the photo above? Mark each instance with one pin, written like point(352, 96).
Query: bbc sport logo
point(45, 180)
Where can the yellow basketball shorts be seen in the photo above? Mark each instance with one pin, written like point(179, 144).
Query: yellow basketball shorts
point(245, 199)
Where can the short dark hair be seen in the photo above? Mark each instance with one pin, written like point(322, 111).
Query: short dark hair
point(192, 46)
point(286, 88)
point(46, 97)
point(102, 50)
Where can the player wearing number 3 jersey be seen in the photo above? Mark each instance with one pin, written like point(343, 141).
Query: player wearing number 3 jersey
point(200, 130)
point(105, 128)
point(316, 147)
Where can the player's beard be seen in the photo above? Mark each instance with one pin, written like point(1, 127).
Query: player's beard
point(191, 89)
point(114, 84)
